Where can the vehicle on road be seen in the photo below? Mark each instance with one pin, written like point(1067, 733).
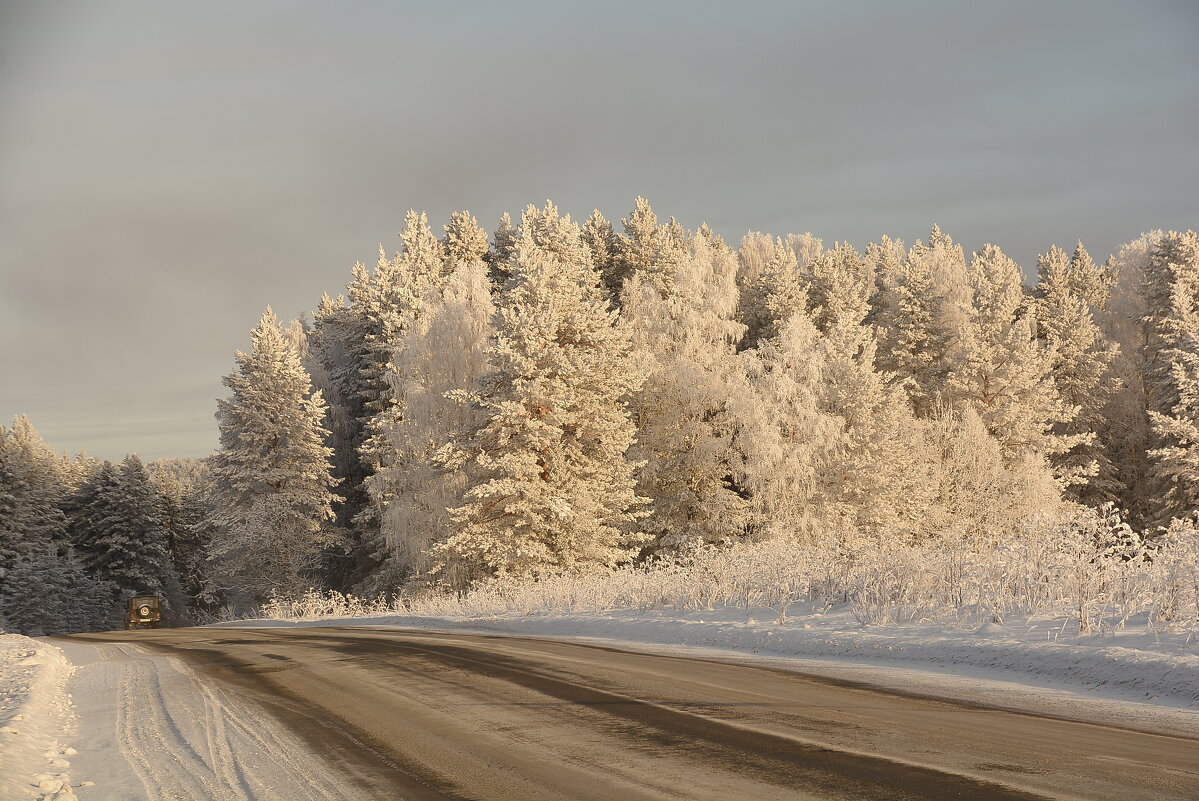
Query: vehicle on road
point(143, 612)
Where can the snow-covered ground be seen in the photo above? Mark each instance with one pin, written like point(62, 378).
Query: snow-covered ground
point(36, 720)
point(155, 730)
point(1130, 677)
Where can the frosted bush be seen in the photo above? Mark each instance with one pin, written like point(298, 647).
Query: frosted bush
point(1088, 568)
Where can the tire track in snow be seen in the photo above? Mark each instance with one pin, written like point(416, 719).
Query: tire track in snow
point(187, 741)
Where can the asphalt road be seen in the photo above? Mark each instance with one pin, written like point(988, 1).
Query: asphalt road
point(423, 715)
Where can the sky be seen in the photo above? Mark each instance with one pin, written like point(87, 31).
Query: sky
point(168, 169)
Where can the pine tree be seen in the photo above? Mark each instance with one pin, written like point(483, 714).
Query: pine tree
point(884, 261)
point(1069, 292)
point(685, 426)
point(551, 487)
point(1173, 261)
point(271, 488)
point(840, 288)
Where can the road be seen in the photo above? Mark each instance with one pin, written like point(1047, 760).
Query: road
point(427, 715)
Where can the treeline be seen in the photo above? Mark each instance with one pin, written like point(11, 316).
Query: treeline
point(80, 535)
point(560, 398)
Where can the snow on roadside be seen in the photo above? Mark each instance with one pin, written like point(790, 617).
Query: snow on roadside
point(35, 714)
point(1030, 658)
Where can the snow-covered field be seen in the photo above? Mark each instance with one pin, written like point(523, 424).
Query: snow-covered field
point(36, 720)
point(1131, 677)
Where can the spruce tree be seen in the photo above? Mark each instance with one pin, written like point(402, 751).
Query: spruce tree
point(182, 489)
point(271, 485)
point(128, 546)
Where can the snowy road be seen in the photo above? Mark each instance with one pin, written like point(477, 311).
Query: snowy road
point(417, 714)
point(153, 730)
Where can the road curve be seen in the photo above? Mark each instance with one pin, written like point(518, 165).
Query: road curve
point(429, 715)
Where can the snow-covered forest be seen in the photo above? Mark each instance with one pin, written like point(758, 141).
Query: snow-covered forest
point(561, 401)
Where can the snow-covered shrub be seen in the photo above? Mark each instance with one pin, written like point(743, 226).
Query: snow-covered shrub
point(1088, 568)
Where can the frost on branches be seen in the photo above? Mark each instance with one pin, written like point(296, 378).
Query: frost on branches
point(551, 489)
point(565, 399)
point(271, 486)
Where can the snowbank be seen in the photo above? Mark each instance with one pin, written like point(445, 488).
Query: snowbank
point(35, 715)
point(1033, 665)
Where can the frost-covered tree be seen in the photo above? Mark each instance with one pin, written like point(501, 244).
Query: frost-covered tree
point(600, 238)
point(772, 290)
point(464, 241)
point(1070, 291)
point(1176, 459)
point(354, 340)
point(32, 493)
point(503, 247)
point(685, 424)
point(999, 368)
point(647, 249)
point(128, 542)
point(49, 593)
point(873, 479)
point(183, 488)
point(786, 440)
point(1126, 421)
point(932, 305)
point(840, 288)
point(436, 369)
point(884, 262)
point(93, 503)
point(271, 485)
point(551, 489)
point(980, 489)
point(807, 249)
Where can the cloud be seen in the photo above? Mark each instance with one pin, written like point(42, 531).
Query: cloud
point(171, 169)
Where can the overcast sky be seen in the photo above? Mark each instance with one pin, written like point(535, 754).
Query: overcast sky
point(168, 169)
